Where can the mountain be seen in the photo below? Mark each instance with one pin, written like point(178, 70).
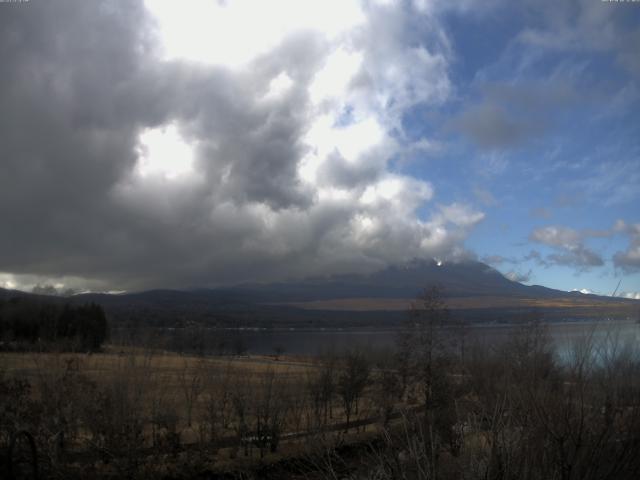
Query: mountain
point(463, 279)
point(472, 290)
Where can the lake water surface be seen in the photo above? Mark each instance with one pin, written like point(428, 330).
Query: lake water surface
point(565, 335)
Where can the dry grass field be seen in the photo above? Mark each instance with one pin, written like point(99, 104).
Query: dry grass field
point(463, 303)
point(115, 360)
point(140, 413)
point(157, 378)
point(198, 399)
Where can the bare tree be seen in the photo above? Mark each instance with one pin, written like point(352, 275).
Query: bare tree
point(217, 405)
point(387, 384)
point(352, 381)
point(269, 410)
point(428, 351)
point(190, 379)
point(241, 401)
point(404, 357)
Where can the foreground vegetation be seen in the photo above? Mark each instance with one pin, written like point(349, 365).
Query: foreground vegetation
point(437, 408)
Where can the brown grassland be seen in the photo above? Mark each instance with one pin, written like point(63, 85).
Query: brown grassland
point(587, 305)
point(437, 407)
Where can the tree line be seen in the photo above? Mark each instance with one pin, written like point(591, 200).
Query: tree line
point(27, 323)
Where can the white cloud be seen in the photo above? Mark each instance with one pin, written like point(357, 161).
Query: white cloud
point(569, 246)
point(557, 236)
point(163, 151)
point(460, 215)
point(333, 79)
point(278, 87)
point(519, 277)
point(231, 34)
point(632, 295)
point(628, 260)
point(44, 284)
point(584, 291)
point(404, 194)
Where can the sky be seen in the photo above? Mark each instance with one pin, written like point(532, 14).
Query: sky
point(156, 143)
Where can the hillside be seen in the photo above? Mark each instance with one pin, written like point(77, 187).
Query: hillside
point(465, 279)
point(472, 289)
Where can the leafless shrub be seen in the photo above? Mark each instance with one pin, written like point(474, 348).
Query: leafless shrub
point(321, 387)
point(217, 407)
point(190, 378)
point(352, 381)
point(269, 410)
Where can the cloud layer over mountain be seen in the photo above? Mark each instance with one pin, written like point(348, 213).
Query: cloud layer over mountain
point(280, 152)
point(164, 143)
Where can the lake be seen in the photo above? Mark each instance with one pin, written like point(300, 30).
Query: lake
point(305, 342)
point(313, 341)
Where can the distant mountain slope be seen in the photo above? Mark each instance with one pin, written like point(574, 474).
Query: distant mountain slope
point(472, 289)
point(465, 279)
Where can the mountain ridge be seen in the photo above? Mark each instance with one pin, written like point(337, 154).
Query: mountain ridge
point(471, 288)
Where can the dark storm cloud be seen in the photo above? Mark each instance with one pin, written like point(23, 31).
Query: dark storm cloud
point(69, 124)
point(82, 80)
point(341, 173)
point(81, 86)
point(253, 146)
